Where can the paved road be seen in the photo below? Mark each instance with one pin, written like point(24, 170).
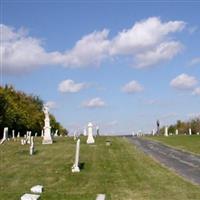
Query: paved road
point(185, 164)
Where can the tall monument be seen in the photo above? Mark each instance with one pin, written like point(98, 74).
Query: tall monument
point(47, 139)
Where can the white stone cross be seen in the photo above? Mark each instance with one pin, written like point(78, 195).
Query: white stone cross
point(75, 167)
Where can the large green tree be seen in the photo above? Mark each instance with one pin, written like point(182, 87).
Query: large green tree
point(21, 112)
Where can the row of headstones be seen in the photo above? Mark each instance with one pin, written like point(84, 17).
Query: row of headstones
point(176, 132)
point(26, 136)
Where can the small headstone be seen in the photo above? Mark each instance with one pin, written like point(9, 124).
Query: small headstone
point(22, 142)
point(90, 139)
point(13, 134)
point(176, 131)
point(108, 143)
point(5, 135)
point(56, 133)
point(75, 167)
point(32, 146)
point(36, 134)
point(37, 189)
point(101, 197)
point(30, 197)
point(166, 131)
point(197, 133)
point(97, 129)
point(18, 134)
point(190, 131)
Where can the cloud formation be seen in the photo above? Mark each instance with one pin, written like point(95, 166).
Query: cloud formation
point(147, 47)
point(69, 86)
point(196, 91)
point(184, 82)
point(94, 103)
point(195, 61)
point(132, 87)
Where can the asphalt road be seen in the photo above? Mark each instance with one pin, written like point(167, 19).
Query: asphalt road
point(183, 163)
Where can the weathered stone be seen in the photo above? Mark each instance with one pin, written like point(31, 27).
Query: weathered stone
point(30, 197)
point(37, 189)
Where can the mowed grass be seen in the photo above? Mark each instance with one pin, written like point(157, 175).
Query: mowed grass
point(185, 142)
point(120, 171)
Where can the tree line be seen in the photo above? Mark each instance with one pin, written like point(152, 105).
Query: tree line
point(184, 126)
point(22, 112)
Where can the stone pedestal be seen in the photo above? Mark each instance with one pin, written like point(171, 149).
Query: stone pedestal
point(90, 139)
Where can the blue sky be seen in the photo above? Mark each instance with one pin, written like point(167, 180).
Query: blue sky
point(120, 65)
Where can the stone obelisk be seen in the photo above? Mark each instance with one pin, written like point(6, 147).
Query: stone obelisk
point(47, 139)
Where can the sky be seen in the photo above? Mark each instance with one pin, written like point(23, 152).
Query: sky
point(120, 65)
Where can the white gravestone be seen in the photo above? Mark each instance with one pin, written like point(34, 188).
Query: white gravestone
point(29, 137)
point(47, 139)
point(18, 134)
point(13, 134)
point(30, 197)
point(166, 131)
point(153, 132)
point(32, 149)
point(90, 139)
point(176, 131)
point(190, 131)
point(56, 133)
point(37, 189)
point(75, 167)
point(101, 197)
point(197, 133)
point(5, 135)
point(36, 134)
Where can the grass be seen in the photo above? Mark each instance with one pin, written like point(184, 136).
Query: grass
point(185, 142)
point(120, 171)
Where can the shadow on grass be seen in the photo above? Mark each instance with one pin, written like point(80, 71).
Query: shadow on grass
point(81, 165)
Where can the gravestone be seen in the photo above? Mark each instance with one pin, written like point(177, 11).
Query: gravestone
point(18, 135)
point(75, 167)
point(197, 133)
point(5, 135)
point(90, 139)
point(30, 197)
point(101, 197)
point(32, 149)
point(37, 189)
point(47, 139)
point(166, 131)
point(176, 131)
point(42, 133)
point(190, 131)
point(36, 134)
point(13, 134)
point(28, 137)
point(56, 133)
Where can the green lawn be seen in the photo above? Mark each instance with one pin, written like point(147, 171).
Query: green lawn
point(120, 171)
point(186, 142)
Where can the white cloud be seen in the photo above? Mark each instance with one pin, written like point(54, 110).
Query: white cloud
point(69, 86)
point(132, 87)
point(196, 91)
point(21, 52)
point(195, 61)
point(51, 104)
point(94, 103)
point(165, 51)
point(144, 35)
point(184, 82)
point(90, 50)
